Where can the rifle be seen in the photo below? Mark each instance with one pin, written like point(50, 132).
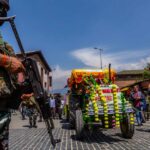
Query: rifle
point(33, 82)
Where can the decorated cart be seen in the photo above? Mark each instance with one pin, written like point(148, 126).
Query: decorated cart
point(95, 101)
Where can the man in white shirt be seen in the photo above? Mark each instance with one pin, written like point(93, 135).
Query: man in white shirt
point(53, 106)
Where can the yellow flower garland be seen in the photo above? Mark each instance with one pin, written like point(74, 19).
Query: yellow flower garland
point(116, 107)
point(87, 111)
point(131, 118)
point(93, 92)
point(105, 107)
point(95, 106)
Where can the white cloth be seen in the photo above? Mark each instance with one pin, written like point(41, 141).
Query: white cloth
point(52, 103)
point(62, 104)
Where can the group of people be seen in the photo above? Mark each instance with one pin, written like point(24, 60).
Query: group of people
point(56, 106)
point(141, 103)
point(30, 109)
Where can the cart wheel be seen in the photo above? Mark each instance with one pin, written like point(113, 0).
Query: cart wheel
point(127, 129)
point(79, 125)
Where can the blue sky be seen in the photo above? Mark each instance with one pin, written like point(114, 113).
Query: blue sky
point(67, 30)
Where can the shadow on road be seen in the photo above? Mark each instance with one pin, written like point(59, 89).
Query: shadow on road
point(26, 126)
point(96, 137)
point(143, 130)
point(65, 125)
point(63, 121)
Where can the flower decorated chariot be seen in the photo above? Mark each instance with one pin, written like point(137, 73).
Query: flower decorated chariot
point(95, 101)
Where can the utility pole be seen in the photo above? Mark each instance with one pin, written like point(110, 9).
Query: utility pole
point(100, 52)
point(53, 69)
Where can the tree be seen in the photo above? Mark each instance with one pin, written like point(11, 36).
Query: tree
point(146, 73)
point(147, 66)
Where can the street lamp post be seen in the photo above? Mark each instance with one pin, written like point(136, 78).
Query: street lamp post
point(100, 51)
point(53, 69)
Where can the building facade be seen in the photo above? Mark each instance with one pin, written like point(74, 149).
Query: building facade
point(128, 77)
point(44, 69)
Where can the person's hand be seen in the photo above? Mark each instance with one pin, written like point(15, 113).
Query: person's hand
point(11, 64)
point(15, 65)
point(138, 97)
point(21, 77)
point(26, 96)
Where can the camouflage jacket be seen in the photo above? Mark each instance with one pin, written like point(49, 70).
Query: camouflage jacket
point(4, 90)
point(31, 103)
point(6, 79)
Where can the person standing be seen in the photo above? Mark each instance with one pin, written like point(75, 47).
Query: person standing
point(60, 106)
point(40, 117)
point(61, 109)
point(143, 106)
point(32, 109)
point(66, 104)
point(9, 68)
point(137, 99)
point(53, 106)
point(22, 109)
point(148, 103)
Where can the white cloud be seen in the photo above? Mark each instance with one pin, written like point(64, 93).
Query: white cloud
point(90, 58)
point(60, 77)
point(135, 59)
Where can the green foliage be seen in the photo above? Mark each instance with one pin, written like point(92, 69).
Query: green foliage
point(146, 74)
point(148, 66)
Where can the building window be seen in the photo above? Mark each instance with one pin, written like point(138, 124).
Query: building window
point(45, 84)
point(50, 81)
point(42, 75)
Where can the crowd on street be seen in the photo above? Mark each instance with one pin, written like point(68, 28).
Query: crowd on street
point(29, 109)
point(140, 100)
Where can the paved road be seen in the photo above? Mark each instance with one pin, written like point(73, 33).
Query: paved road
point(23, 138)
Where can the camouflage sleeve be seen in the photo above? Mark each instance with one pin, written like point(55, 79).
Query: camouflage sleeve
point(32, 99)
point(5, 61)
point(10, 49)
point(1, 42)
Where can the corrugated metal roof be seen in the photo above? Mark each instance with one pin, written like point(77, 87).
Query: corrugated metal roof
point(39, 52)
point(130, 83)
point(125, 72)
point(122, 84)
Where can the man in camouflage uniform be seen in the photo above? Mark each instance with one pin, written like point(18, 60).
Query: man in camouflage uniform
point(9, 65)
point(32, 109)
